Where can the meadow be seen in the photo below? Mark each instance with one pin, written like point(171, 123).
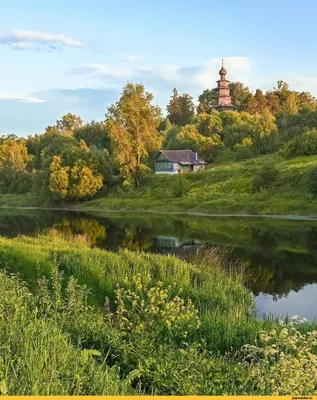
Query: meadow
point(80, 320)
point(223, 188)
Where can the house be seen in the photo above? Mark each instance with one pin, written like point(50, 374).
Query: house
point(177, 161)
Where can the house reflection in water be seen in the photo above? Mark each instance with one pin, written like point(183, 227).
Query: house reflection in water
point(173, 245)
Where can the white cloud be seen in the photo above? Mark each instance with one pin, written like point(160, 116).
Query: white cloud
point(171, 72)
point(20, 39)
point(239, 69)
point(21, 45)
point(131, 57)
point(22, 98)
point(111, 72)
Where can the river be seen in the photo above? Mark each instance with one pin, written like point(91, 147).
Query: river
point(279, 256)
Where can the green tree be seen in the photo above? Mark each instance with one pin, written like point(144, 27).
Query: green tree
point(96, 134)
point(240, 95)
point(132, 124)
point(207, 100)
point(209, 124)
point(181, 109)
point(69, 123)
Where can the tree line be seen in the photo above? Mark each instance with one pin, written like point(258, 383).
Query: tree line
point(72, 160)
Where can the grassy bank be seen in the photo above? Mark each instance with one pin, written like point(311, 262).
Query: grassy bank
point(166, 326)
point(224, 188)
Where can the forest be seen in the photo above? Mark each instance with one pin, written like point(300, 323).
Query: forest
point(72, 160)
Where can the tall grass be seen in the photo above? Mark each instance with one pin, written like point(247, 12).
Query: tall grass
point(137, 324)
point(224, 304)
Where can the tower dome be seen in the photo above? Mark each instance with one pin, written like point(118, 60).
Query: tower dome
point(222, 71)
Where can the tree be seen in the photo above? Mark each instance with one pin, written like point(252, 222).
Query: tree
point(14, 159)
point(240, 95)
point(132, 124)
point(207, 100)
point(209, 124)
point(95, 133)
point(69, 123)
point(290, 107)
point(58, 179)
point(181, 109)
point(73, 182)
point(257, 103)
point(83, 182)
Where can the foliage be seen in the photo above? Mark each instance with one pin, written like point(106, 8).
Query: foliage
point(180, 186)
point(206, 101)
point(264, 177)
point(208, 125)
point(149, 336)
point(283, 362)
point(96, 134)
point(303, 145)
point(69, 123)
point(242, 152)
point(14, 159)
point(240, 95)
point(132, 123)
point(312, 181)
point(181, 109)
point(37, 357)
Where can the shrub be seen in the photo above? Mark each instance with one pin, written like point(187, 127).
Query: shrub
point(303, 145)
point(312, 182)
point(265, 176)
point(180, 186)
point(242, 152)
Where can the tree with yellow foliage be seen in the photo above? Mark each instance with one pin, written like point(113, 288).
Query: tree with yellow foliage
point(132, 125)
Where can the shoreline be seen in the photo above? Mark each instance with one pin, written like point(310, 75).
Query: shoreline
point(296, 217)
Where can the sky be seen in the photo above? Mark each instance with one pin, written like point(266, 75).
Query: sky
point(76, 55)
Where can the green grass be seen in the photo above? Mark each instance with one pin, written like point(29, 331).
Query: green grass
point(167, 326)
point(223, 188)
point(221, 298)
point(20, 200)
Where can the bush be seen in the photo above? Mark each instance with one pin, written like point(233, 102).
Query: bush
point(180, 186)
point(303, 145)
point(242, 152)
point(265, 176)
point(312, 182)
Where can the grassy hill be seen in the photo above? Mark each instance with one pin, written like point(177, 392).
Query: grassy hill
point(223, 188)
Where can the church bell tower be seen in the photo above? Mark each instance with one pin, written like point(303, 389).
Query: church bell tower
point(223, 95)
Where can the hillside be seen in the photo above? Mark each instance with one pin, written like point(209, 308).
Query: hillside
point(222, 188)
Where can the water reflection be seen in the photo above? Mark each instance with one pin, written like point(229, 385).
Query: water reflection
point(280, 256)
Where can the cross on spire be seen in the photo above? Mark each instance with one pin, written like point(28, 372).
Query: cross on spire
point(222, 61)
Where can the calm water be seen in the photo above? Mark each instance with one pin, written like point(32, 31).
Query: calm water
point(280, 256)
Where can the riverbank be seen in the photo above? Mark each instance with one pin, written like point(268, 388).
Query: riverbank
point(166, 327)
point(225, 189)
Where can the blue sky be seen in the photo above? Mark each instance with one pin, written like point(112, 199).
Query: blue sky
point(75, 56)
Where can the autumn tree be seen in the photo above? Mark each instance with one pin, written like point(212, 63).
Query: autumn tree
point(181, 109)
point(132, 124)
point(14, 159)
point(58, 179)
